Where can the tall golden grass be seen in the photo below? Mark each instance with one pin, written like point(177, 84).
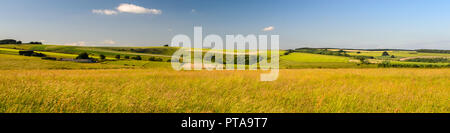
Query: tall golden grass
point(165, 90)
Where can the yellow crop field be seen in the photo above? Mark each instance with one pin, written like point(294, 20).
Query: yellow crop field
point(166, 90)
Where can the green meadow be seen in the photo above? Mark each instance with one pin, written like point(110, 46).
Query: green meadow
point(307, 83)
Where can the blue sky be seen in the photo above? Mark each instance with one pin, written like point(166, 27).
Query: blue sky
point(409, 24)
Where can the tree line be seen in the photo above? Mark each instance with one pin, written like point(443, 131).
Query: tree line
point(12, 41)
point(433, 51)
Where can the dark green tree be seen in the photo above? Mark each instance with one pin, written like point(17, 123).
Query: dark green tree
point(102, 57)
point(83, 55)
point(385, 53)
point(137, 58)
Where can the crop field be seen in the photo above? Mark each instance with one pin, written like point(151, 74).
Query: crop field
point(306, 57)
point(165, 90)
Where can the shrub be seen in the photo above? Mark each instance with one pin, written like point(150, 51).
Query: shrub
point(38, 54)
point(48, 58)
point(155, 59)
point(26, 53)
point(83, 55)
point(385, 53)
point(137, 58)
point(35, 43)
point(118, 57)
point(127, 57)
point(102, 57)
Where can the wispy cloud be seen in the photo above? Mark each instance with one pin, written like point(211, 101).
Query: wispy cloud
point(92, 43)
point(270, 28)
point(104, 12)
point(193, 11)
point(108, 42)
point(80, 43)
point(130, 8)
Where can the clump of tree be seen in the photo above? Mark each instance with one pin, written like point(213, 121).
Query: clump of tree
point(385, 53)
point(35, 43)
point(136, 58)
point(102, 57)
point(399, 65)
point(433, 51)
point(341, 52)
point(83, 55)
point(289, 51)
point(127, 57)
point(363, 59)
point(10, 41)
point(31, 53)
point(155, 59)
point(430, 60)
point(49, 58)
point(118, 57)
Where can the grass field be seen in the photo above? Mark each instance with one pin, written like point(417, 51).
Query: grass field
point(307, 60)
point(165, 90)
point(109, 52)
point(31, 84)
point(22, 62)
point(398, 54)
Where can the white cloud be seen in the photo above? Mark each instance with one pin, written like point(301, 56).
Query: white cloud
point(193, 11)
point(104, 12)
point(270, 28)
point(108, 42)
point(130, 8)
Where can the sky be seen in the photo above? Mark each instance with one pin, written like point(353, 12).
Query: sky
point(403, 24)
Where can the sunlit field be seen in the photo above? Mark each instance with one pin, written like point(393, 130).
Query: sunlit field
point(164, 90)
point(307, 83)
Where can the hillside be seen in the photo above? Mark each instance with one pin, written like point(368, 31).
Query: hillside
point(303, 58)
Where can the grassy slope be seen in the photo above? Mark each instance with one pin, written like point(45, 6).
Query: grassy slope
point(399, 54)
point(16, 62)
point(307, 60)
point(164, 90)
point(294, 60)
point(23, 62)
point(110, 52)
